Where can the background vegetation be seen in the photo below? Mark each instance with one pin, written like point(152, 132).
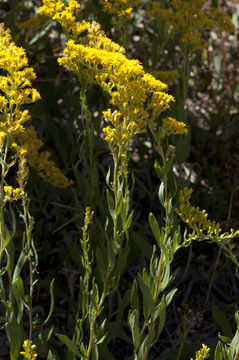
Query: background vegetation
point(203, 78)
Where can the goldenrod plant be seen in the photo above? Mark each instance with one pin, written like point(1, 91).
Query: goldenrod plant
point(19, 147)
point(137, 100)
point(114, 76)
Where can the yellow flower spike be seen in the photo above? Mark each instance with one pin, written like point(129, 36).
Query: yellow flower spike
point(95, 59)
point(172, 126)
point(194, 217)
point(16, 90)
point(29, 352)
point(203, 353)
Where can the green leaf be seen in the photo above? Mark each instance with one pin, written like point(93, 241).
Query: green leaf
point(148, 341)
point(101, 333)
point(19, 294)
point(20, 263)
point(107, 178)
point(10, 258)
point(154, 263)
point(222, 321)
point(16, 336)
point(133, 321)
point(43, 337)
point(40, 34)
point(70, 345)
point(94, 296)
point(177, 237)
point(111, 204)
point(161, 315)
point(83, 349)
point(221, 352)
point(95, 352)
point(51, 356)
point(134, 297)
point(52, 301)
point(169, 297)
point(224, 339)
point(155, 228)
point(128, 222)
point(235, 341)
point(161, 193)
point(159, 170)
point(8, 236)
point(148, 303)
point(166, 277)
point(119, 205)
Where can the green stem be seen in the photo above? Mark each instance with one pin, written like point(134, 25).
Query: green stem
point(28, 229)
point(30, 298)
point(115, 189)
point(93, 322)
point(2, 232)
point(160, 266)
point(90, 149)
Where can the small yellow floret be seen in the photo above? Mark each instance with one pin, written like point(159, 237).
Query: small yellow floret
point(203, 353)
point(29, 352)
point(13, 194)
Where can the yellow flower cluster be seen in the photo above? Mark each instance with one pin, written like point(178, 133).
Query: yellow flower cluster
point(188, 20)
point(88, 218)
point(29, 352)
point(203, 353)
point(12, 194)
point(120, 8)
point(172, 126)
point(16, 90)
point(61, 13)
point(195, 218)
point(137, 97)
point(40, 160)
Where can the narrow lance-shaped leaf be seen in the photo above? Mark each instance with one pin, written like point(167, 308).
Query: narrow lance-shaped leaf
point(148, 303)
point(52, 301)
point(155, 228)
